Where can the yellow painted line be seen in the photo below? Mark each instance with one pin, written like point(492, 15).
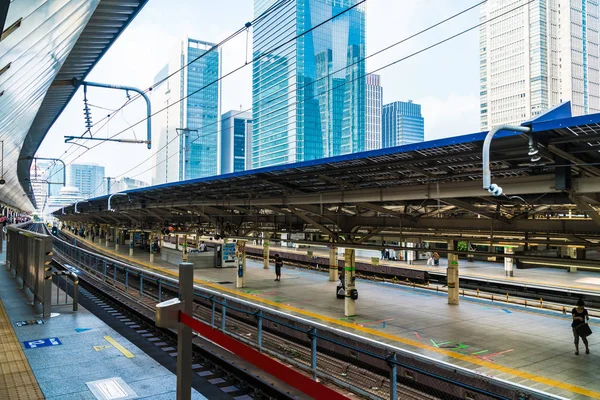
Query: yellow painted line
point(448, 353)
point(119, 347)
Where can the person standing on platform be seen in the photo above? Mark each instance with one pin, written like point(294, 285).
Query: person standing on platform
point(429, 258)
point(436, 258)
point(580, 327)
point(278, 265)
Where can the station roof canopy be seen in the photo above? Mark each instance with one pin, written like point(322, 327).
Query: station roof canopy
point(409, 185)
point(45, 41)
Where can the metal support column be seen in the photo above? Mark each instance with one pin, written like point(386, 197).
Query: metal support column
point(508, 261)
point(184, 336)
point(333, 263)
point(350, 282)
point(452, 274)
point(266, 254)
point(131, 242)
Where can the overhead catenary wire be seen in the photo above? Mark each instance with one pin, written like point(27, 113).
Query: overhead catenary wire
point(378, 69)
point(265, 14)
point(285, 95)
point(229, 73)
point(108, 117)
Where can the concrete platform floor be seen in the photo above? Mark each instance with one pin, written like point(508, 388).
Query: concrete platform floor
point(526, 346)
point(583, 280)
point(62, 371)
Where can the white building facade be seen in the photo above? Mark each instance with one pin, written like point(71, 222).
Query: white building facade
point(537, 56)
point(374, 95)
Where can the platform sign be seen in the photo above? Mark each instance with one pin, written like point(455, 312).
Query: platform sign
point(30, 322)
point(34, 344)
point(229, 254)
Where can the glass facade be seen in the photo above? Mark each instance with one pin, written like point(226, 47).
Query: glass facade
point(201, 112)
point(187, 133)
point(308, 94)
point(236, 129)
point(402, 123)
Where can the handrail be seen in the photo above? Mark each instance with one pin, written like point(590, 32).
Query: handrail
point(390, 348)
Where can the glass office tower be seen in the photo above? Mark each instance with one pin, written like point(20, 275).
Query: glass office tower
point(187, 133)
point(88, 178)
point(308, 94)
point(402, 123)
point(236, 127)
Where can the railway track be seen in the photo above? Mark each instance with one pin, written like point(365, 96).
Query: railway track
point(366, 378)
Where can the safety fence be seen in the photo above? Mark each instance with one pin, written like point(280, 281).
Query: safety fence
point(345, 360)
point(29, 258)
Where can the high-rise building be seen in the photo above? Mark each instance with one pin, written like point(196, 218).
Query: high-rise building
point(67, 195)
point(544, 53)
point(55, 175)
point(236, 129)
point(374, 110)
point(38, 185)
point(88, 178)
point(308, 95)
point(123, 184)
point(402, 123)
point(187, 133)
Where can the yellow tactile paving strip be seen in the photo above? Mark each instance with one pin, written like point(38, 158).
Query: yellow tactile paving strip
point(16, 378)
point(373, 332)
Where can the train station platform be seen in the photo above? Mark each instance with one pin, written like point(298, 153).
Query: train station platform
point(72, 355)
point(552, 277)
point(530, 347)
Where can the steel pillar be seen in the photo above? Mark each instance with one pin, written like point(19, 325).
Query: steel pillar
point(333, 263)
point(508, 261)
point(349, 278)
point(452, 274)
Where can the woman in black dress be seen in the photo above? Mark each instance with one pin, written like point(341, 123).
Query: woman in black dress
point(580, 317)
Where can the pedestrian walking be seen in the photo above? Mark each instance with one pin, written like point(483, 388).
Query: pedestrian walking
point(278, 265)
point(429, 258)
point(580, 327)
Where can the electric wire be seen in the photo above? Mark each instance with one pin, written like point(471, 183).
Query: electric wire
point(271, 9)
point(374, 71)
point(228, 74)
point(285, 95)
point(107, 118)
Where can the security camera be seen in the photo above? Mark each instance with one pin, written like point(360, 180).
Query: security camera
point(2, 181)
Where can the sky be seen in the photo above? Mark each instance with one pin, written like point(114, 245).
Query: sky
point(443, 79)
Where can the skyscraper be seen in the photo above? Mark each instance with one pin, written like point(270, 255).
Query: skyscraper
point(236, 129)
point(536, 57)
point(188, 131)
point(308, 94)
point(374, 110)
point(402, 123)
point(88, 178)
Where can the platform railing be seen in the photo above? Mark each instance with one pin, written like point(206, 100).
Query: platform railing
point(367, 367)
point(28, 257)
